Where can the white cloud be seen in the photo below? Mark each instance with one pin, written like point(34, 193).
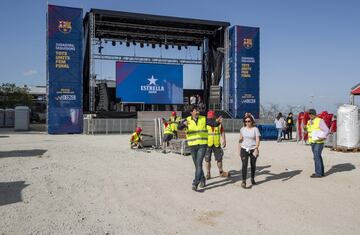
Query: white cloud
point(30, 72)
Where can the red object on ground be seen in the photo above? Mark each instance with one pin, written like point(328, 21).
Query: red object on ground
point(333, 126)
point(305, 121)
point(299, 126)
point(327, 117)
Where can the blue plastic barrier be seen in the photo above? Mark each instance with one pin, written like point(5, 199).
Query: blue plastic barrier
point(268, 132)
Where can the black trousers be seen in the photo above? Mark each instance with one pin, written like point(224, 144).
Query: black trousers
point(289, 132)
point(245, 155)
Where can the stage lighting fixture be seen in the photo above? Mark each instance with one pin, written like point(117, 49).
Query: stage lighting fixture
point(100, 48)
point(166, 46)
point(106, 41)
point(134, 43)
point(141, 44)
point(198, 48)
point(147, 44)
point(172, 46)
point(153, 45)
point(160, 44)
point(120, 42)
point(186, 47)
point(113, 43)
point(179, 48)
point(127, 44)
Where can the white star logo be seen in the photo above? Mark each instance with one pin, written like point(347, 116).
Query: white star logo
point(152, 80)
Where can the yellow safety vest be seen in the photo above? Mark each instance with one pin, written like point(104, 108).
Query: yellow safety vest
point(315, 126)
point(214, 136)
point(168, 129)
point(136, 139)
point(174, 122)
point(196, 134)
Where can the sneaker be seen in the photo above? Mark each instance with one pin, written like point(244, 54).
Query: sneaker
point(243, 184)
point(194, 187)
point(164, 151)
point(253, 181)
point(202, 184)
point(208, 176)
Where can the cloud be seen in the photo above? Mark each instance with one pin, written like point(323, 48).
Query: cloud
point(30, 72)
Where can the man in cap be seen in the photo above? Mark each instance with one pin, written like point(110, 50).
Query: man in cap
point(216, 140)
point(136, 139)
point(317, 131)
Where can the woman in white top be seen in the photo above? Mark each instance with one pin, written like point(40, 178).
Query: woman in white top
point(249, 143)
point(280, 125)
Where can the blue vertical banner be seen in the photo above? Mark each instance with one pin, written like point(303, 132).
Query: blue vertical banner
point(244, 59)
point(64, 69)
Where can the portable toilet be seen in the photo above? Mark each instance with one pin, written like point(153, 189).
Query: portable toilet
point(2, 117)
point(22, 118)
point(9, 118)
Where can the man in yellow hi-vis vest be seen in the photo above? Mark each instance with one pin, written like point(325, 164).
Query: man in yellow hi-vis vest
point(317, 131)
point(170, 130)
point(197, 138)
point(216, 140)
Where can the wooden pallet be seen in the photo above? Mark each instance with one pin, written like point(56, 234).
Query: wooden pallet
point(345, 149)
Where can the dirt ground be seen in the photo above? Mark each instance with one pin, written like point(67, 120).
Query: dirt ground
point(78, 184)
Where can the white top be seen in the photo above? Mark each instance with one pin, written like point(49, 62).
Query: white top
point(249, 134)
point(280, 123)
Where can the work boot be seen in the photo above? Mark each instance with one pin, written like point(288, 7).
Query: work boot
point(208, 176)
point(194, 187)
point(202, 184)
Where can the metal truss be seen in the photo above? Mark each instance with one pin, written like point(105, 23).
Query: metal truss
point(155, 60)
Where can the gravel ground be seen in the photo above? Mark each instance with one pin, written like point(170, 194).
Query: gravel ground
point(78, 184)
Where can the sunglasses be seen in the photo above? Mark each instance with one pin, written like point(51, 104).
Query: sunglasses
point(247, 121)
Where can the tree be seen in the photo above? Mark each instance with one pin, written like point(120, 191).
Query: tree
point(12, 95)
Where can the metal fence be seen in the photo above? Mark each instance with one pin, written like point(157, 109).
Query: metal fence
point(109, 126)
point(123, 126)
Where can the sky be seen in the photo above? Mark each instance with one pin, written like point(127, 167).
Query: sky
point(309, 49)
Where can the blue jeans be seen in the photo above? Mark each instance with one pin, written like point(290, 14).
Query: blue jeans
point(198, 154)
point(279, 133)
point(319, 164)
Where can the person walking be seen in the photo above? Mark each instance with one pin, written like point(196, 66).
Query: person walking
point(216, 141)
point(280, 125)
point(197, 139)
point(317, 132)
point(248, 147)
point(289, 125)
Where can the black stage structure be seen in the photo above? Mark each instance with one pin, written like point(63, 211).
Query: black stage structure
point(126, 27)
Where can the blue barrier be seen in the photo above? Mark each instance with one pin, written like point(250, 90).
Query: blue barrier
point(268, 132)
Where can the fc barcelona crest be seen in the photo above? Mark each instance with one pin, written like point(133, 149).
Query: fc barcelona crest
point(248, 43)
point(65, 26)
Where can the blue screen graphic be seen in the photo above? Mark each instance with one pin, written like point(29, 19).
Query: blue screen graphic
point(149, 83)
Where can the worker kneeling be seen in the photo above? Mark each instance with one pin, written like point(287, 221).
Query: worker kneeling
point(216, 135)
point(136, 139)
